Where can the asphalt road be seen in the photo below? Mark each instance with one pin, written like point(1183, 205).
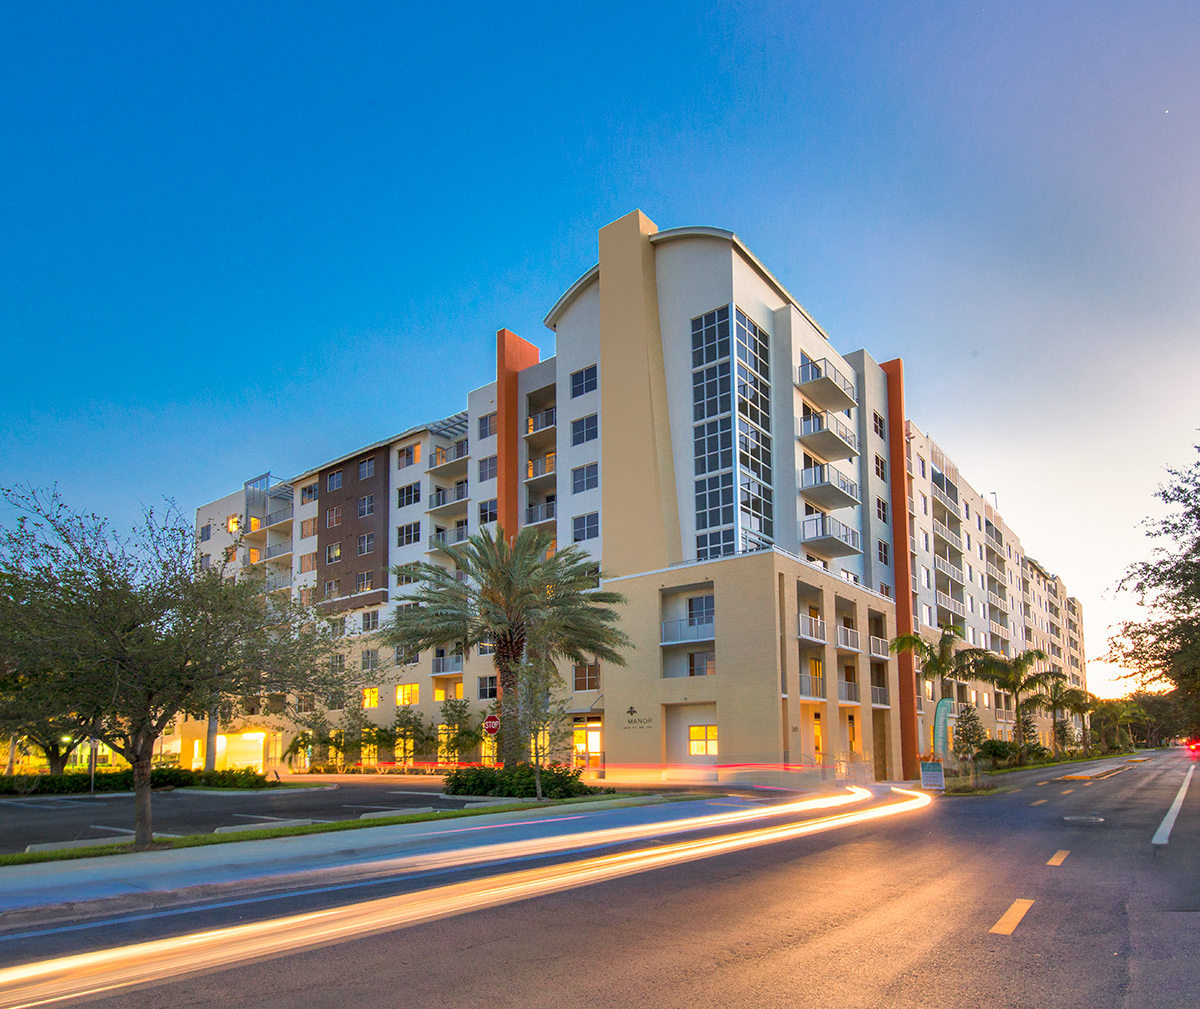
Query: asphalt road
point(896, 913)
point(36, 819)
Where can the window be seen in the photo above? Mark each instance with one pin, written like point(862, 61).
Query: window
point(308, 562)
point(333, 553)
point(337, 664)
point(333, 588)
point(583, 381)
point(408, 534)
point(926, 579)
point(366, 544)
point(883, 553)
point(920, 465)
point(701, 610)
point(702, 740)
point(334, 481)
point(487, 468)
point(487, 688)
point(585, 477)
point(924, 505)
point(370, 694)
point(333, 516)
point(881, 509)
point(206, 532)
point(881, 467)
point(409, 494)
point(487, 425)
point(308, 527)
point(408, 693)
point(488, 510)
point(364, 581)
point(879, 428)
point(370, 620)
point(702, 663)
point(231, 524)
point(926, 615)
point(487, 647)
point(366, 505)
point(366, 468)
point(205, 562)
point(308, 493)
point(925, 540)
point(405, 575)
point(585, 429)
point(587, 677)
point(967, 509)
point(408, 456)
point(585, 527)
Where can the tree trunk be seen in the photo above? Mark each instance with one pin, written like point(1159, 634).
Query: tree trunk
point(508, 745)
point(143, 836)
point(57, 760)
point(12, 755)
point(210, 741)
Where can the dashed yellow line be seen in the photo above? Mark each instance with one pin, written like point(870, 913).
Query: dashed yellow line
point(1066, 791)
point(1086, 783)
point(1038, 803)
point(1012, 917)
point(1059, 858)
point(1043, 782)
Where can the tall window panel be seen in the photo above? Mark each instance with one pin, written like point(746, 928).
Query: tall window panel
point(712, 394)
point(755, 494)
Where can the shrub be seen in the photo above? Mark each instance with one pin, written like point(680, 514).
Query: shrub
point(75, 782)
point(558, 782)
point(996, 750)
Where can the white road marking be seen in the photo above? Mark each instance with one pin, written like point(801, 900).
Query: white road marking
point(1164, 829)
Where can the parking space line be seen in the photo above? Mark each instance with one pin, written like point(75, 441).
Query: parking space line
point(1012, 917)
point(1164, 829)
point(1038, 803)
point(1059, 858)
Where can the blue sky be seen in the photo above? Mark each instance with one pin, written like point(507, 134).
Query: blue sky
point(246, 239)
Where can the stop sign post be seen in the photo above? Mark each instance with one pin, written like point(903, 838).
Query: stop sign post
point(491, 725)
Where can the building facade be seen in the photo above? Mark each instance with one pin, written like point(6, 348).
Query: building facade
point(762, 501)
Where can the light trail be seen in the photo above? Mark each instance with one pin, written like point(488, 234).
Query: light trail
point(91, 974)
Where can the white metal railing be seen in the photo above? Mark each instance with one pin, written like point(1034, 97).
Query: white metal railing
point(1000, 629)
point(942, 530)
point(825, 526)
point(812, 686)
point(279, 549)
point(879, 648)
point(815, 370)
point(996, 601)
point(817, 422)
point(945, 498)
point(879, 695)
point(540, 467)
point(449, 495)
point(818, 476)
point(951, 604)
point(539, 513)
point(449, 537)
point(948, 569)
point(847, 691)
point(441, 456)
point(995, 572)
point(448, 664)
point(282, 515)
point(847, 637)
point(541, 421)
point(686, 630)
point(812, 628)
point(279, 580)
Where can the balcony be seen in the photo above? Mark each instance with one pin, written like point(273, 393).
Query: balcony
point(276, 517)
point(682, 631)
point(812, 628)
point(946, 499)
point(539, 513)
point(827, 487)
point(827, 436)
point(279, 580)
point(447, 664)
point(994, 535)
point(951, 571)
point(953, 605)
point(940, 529)
point(450, 461)
point(824, 385)
point(996, 602)
point(541, 421)
point(828, 537)
point(848, 639)
point(995, 572)
point(279, 549)
point(448, 537)
point(847, 692)
point(443, 497)
point(540, 473)
point(879, 648)
point(879, 697)
point(812, 686)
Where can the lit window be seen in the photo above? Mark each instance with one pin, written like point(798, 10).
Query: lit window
point(408, 693)
point(370, 694)
point(364, 581)
point(702, 740)
point(334, 481)
point(583, 381)
point(407, 456)
point(487, 647)
point(333, 553)
point(366, 468)
point(231, 524)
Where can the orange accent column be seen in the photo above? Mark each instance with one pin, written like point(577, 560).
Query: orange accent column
point(513, 355)
point(910, 755)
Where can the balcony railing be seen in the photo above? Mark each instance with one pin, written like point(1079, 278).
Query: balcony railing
point(996, 573)
point(994, 535)
point(539, 513)
point(847, 691)
point(879, 648)
point(812, 628)
point(540, 467)
point(441, 456)
point(449, 495)
point(948, 569)
point(447, 664)
point(828, 385)
point(282, 515)
point(997, 602)
point(942, 530)
point(817, 527)
point(812, 686)
point(945, 498)
point(448, 537)
point(279, 580)
point(999, 629)
point(951, 604)
point(686, 630)
point(847, 637)
point(816, 423)
point(541, 421)
point(279, 549)
point(832, 481)
point(879, 695)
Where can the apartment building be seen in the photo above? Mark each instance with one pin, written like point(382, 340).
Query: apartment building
point(746, 486)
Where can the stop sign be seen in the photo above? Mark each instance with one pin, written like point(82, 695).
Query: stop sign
point(491, 725)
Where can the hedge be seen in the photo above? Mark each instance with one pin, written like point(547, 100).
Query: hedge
point(558, 782)
point(122, 781)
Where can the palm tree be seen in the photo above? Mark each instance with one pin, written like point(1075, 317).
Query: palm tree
point(942, 660)
point(1017, 676)
point(515, 595)
point(1058, 697)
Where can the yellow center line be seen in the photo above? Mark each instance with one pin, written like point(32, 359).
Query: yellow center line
point(1043, 782)
point(1087, 783)
point(1038, 803)
point(1059, 858)
point(1012, 917)
point(1066, 791)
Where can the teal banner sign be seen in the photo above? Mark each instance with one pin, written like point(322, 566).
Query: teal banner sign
point(941, 721)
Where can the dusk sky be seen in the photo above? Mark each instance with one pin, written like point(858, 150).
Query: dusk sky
point(247, 238)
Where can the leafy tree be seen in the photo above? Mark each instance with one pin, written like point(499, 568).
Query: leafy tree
point(512, 592)
point(943, 660)
point(1164, 646)
point(1018, 677)
point(415, 738)
point(458, 735)
point(544, 716)
point(1058, 697)
point(1082, 703)
point(969, 735)
point(128, 633)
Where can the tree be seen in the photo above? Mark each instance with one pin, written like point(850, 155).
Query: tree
point(128, 633)
point(415, 738)
point(1018, 677)
point(942, 660)
point(968, 737)
point(1059, 697)
point(544, 717)
point(511, 594)
point(1082, 704)
point(1164, 646)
